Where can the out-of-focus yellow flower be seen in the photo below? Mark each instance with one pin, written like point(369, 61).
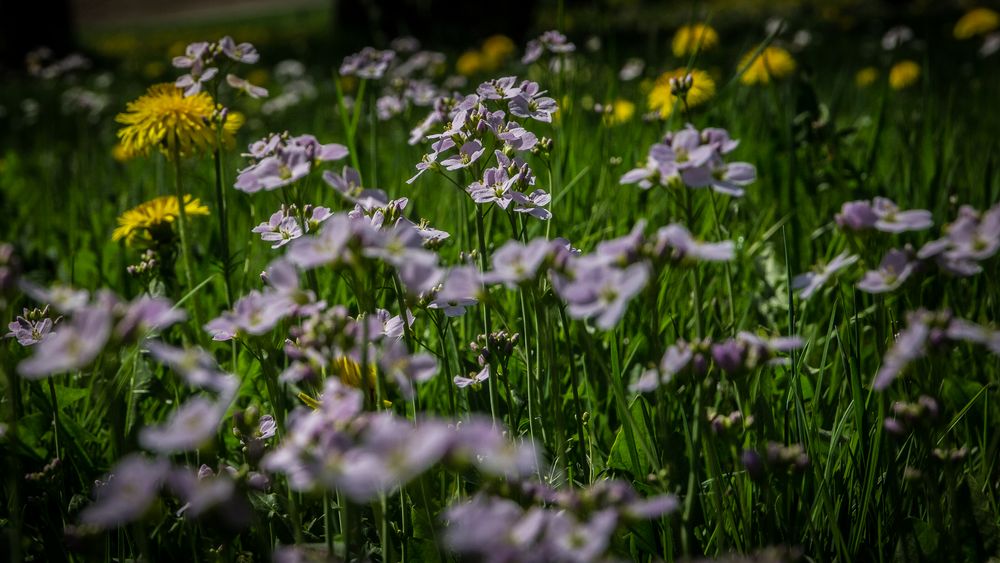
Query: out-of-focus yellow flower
point(120, 153)
point(348, 84)
point(866, 77)
point(904, 74)
point(164, 118)
point(694, 38)
point(662, 98)
point(349, 372)
point(622, 111)
point(771, 63)
point(469, 63)
point(146, 220)
point(496, 49)
point(978, 21)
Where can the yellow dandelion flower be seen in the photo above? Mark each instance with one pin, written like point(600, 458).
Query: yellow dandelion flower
point(469, 63)
point(904, 74)
point(152, 219)
point(771, 63)
point(164, 118)
point(662, 99)
point(622, 111)
point(978, 21)
point(691, 39)
point(496, 49)
point(866, 77)
point(349, 372)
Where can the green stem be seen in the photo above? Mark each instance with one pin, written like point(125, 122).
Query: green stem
point(220, 202)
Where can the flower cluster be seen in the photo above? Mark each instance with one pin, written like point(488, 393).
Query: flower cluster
point(286, 225)
point(200, 58)
point(735, 356)
point(570, 525)
point(92, 324)
point(364, 454)
point(280, 159)
point(477, 121)
point(551, 41)
point(32, 327)
point(695, 159)
point(929, 331)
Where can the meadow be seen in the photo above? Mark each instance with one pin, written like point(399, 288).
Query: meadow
point(723, 297)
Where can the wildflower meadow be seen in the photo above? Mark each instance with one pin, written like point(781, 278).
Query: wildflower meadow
point(723, 291)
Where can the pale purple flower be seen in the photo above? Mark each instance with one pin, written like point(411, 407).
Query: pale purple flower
point(533, 204)
point(197, 367)
point(73, 347)
point(255, 313)
point(329, 246)
point(892, 220)
point(405, 368)
point(678, 357)
point(62, 298)
point(188, 428)
point(972, 238)
point(477, 378)
point(675, 242)
point(285, 161)
point(551, 41)
point(928, 331)
point(420, 277)
point(537, 108)
point(128, 492)
point(192, 83)
point(515, 263)
point(896, 36)
point(499, 88)
point(810, 282)
point(280, 229)
point(241, 53)
point(194, 53)
point(147, 314)
point(883, 215)
point(469, 153)
point(603, 292)
point(895, 268)
point(245, 86)
point(724, 178)
point(31, 327)
point(461, 288)
point(369, 63)
point(856, 215)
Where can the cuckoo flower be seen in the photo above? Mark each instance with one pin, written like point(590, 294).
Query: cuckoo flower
point(895, 268)
point(810, 282)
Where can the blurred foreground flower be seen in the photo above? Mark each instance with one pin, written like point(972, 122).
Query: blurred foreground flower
point(770, 63)
point(904, 74)
point(695, 38)
point(978, 21)
point(164, 118)
point(153, 219)
point(664, 95)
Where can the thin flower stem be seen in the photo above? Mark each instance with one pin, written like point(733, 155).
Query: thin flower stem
point(487, 322)
point(182, 220)
point(223, 213)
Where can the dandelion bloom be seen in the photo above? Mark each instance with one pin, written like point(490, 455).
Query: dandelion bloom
point(496, 49)
point(147, 219)
point(691, 39)
point(771, 63)
point(164, 118)
point(469, 63)
point(978, 21)
point(662, 99)
point(904, 74)
point(866, 77)
point(618, 112)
